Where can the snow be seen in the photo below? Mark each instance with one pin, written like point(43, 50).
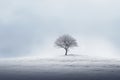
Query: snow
point(70, 63)
point(60, 65)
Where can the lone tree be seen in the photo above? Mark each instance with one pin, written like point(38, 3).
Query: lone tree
point(66, 42)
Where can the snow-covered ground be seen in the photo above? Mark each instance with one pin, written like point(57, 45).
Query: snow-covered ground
point(71, 66)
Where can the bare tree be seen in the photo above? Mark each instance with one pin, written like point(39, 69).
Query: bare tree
point(66, 42)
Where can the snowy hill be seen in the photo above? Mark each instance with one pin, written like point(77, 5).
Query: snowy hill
point(60, 67)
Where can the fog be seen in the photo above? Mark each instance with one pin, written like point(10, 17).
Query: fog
point(30, 27)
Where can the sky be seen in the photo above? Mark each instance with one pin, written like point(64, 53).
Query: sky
point(30, 27)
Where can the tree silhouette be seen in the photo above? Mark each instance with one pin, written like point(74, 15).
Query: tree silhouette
point(66, 42)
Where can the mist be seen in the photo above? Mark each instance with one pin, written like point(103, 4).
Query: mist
point(29, 28)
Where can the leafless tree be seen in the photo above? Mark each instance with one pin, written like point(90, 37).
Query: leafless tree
point(66, 42)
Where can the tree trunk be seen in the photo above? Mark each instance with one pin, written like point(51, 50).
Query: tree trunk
point(66, 50)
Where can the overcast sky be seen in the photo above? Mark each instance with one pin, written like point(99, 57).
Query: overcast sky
point(29, 25)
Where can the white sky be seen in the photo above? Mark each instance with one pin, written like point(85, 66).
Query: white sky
point(27, 25)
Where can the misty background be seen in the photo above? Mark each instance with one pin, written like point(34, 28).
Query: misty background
point(30, 27)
